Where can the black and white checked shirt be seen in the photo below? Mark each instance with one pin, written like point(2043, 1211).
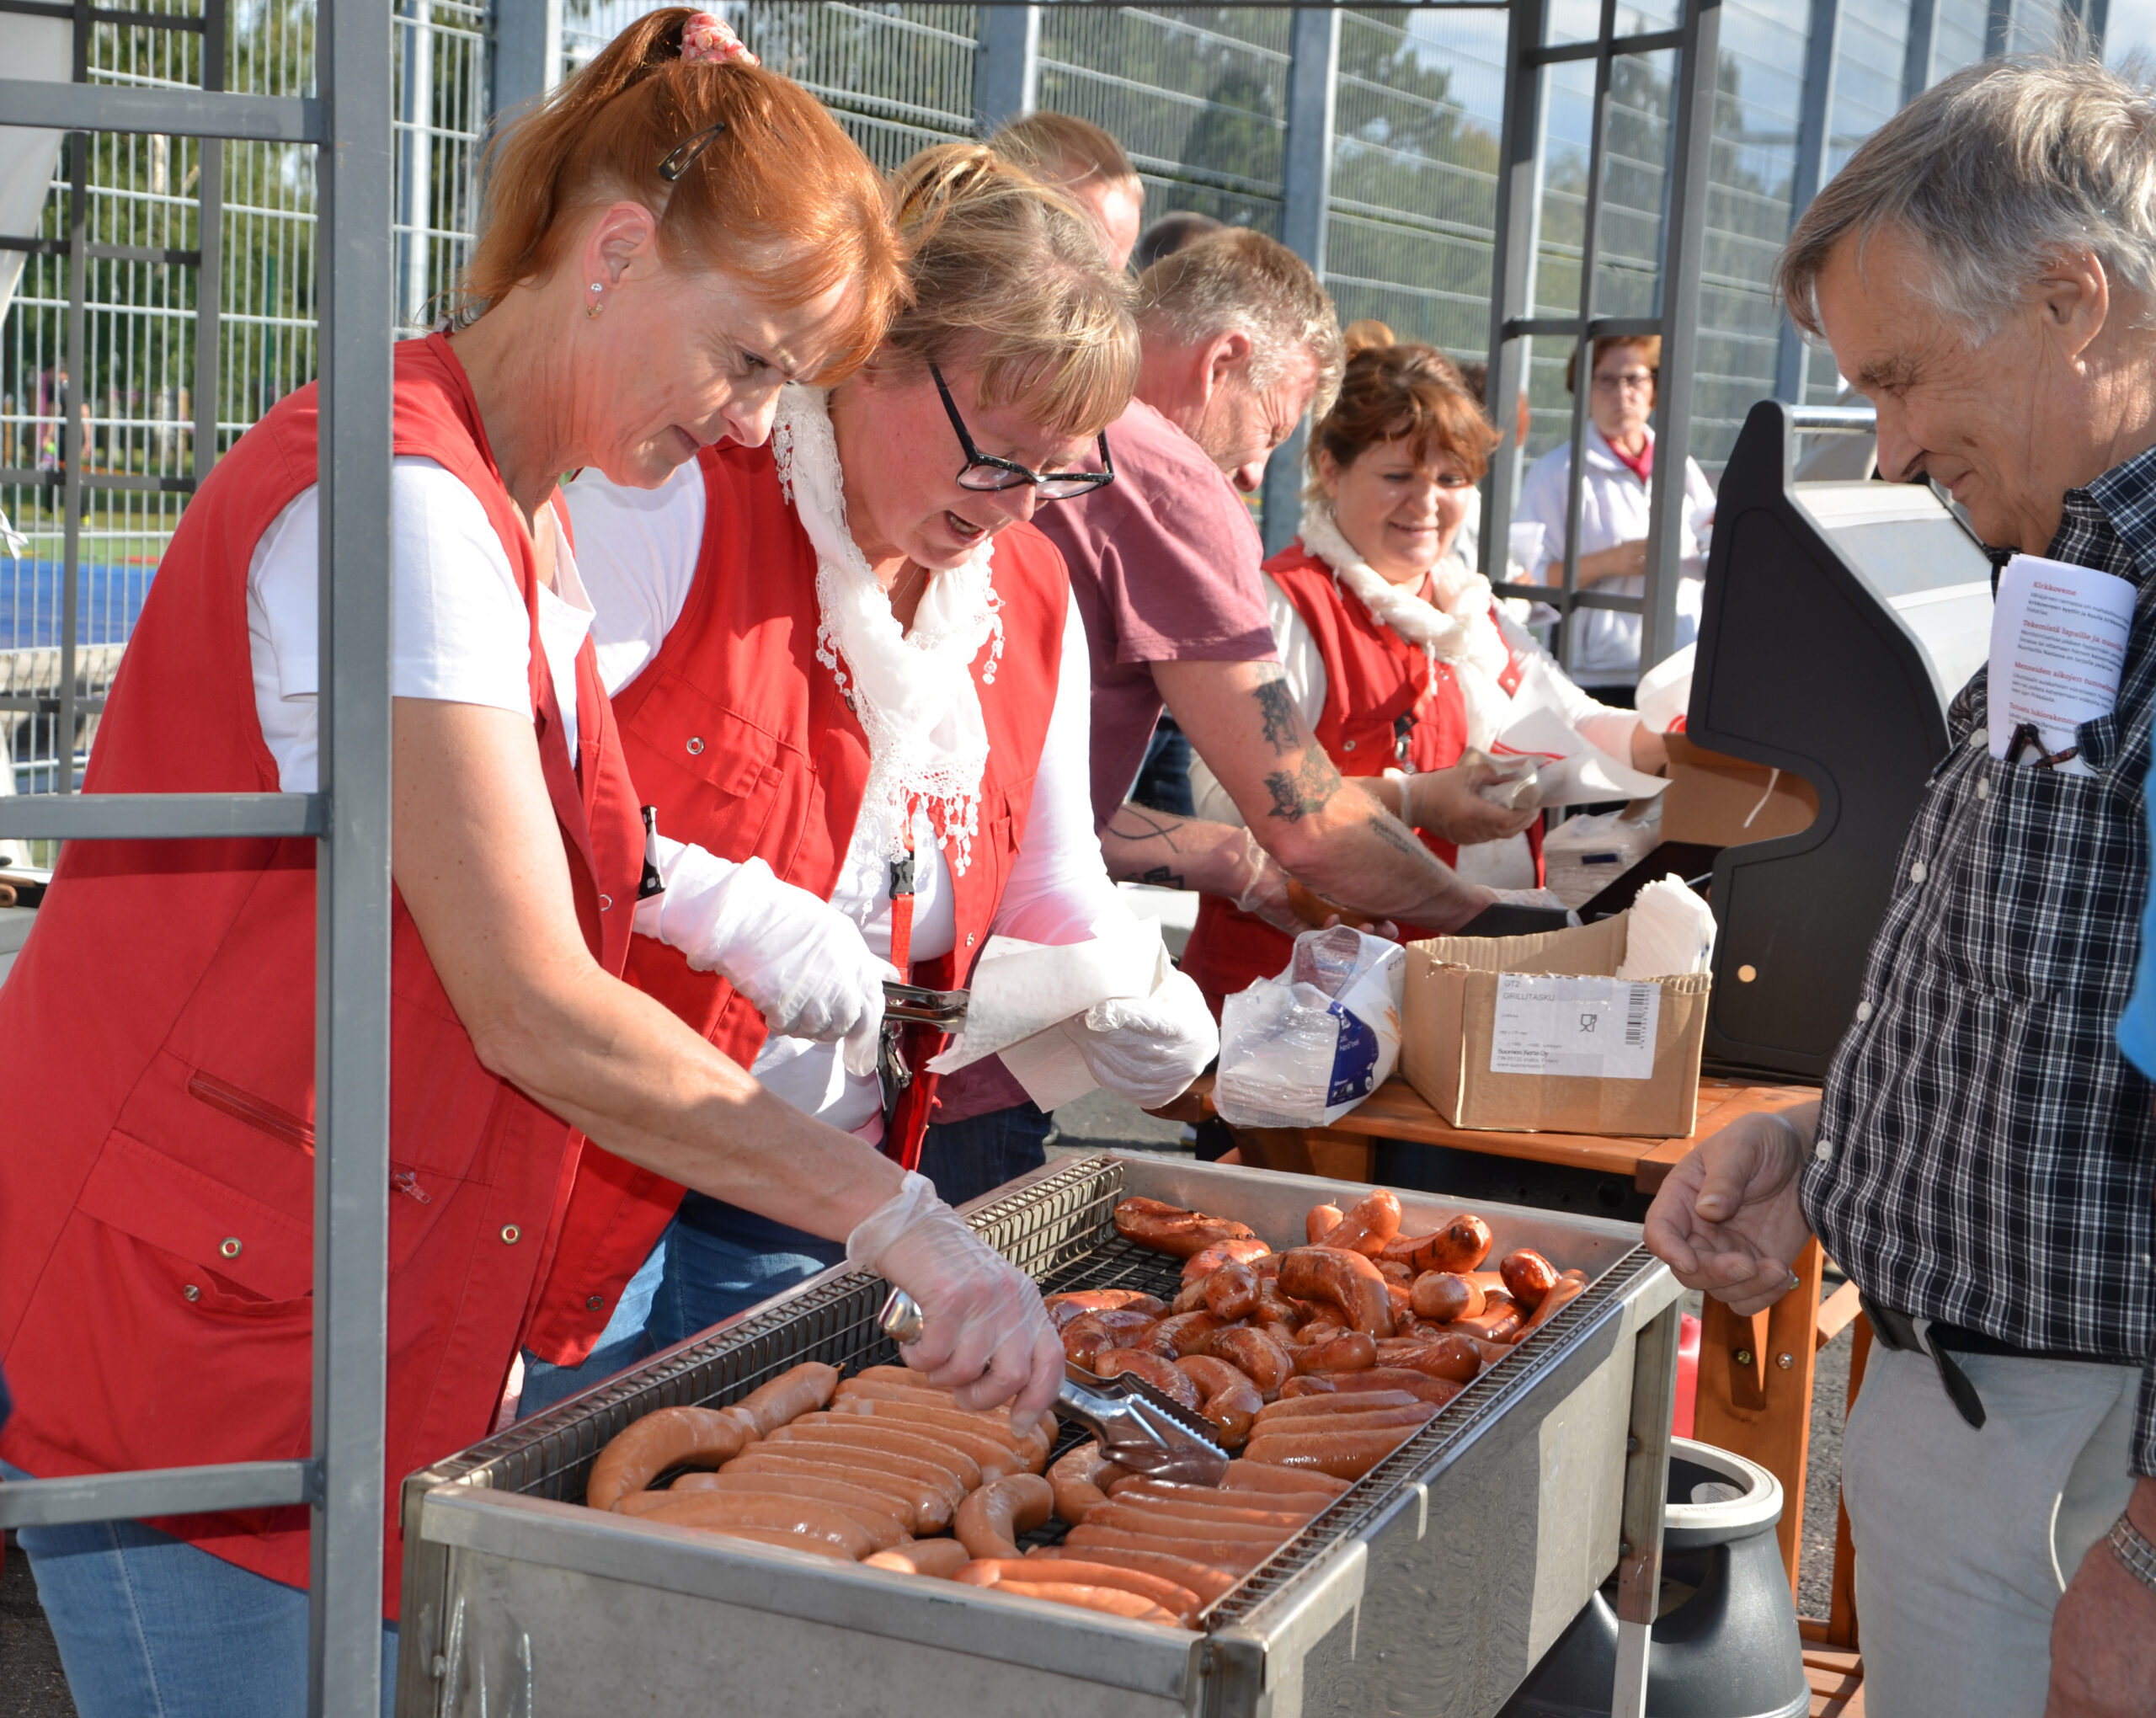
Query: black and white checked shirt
point(1986, 1156)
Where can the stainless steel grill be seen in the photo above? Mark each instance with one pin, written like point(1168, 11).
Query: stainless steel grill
point(480, 1527)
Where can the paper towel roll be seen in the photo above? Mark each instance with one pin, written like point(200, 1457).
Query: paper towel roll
point(1670, 932)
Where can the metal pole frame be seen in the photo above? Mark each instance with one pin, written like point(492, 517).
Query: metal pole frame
point(1512, 254)
point(1306, 200)
point(526, 58)
point(1814, 138)
point(1683, 260)
point(1918, 55)
point(343, 1480)
point(1006, 64)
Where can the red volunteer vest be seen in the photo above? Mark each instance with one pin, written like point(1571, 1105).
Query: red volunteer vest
point(740, 737)
point(1376, 681)
point(156, 1198)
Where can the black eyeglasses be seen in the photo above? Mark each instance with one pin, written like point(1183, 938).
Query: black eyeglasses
point(679, 161)
point(983, 471)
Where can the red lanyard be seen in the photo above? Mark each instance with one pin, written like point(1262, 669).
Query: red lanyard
point(902, 889)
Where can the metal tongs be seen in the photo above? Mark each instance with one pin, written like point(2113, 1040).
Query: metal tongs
point(1138, 1427)
point(914, 1005)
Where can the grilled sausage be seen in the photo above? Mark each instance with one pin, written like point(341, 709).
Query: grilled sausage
point(1134, 1517)
point(813, 1488)
point(1197, 1499)
point(1032, 1450)
point(664, 1438)
point(800, 1389)
point(921, 1508)
point(1567, 1289)
point(933, 1489)
point(1322, 1220)
point(1062, 1308)
point(1181, 1333)
point(1441, 1296)
point(1246, 1250)
point(1170, 1230)
point(994, 1457)
point(1301, 1407)
point(1353, 1417)
point(880, 1518)
point(1448, 1357)
point(1499, 1321)
point(1209, 1582)
point(1236, 1559)
point(1255, 1476)
point(989, 1523)
point(1179, 1601)
point(827, 1522)
point(845, 1432)
point(1232, 1291)
point(1344, 1455)
point(1078, 1481)
point(1089, 1335)
point(1350, 1351)
point(1366, 1226)
point(939, 1558)
point(1461, 1244)
point(1528, 1276)
point(1227, 1396)
point(1346, 1280)
point(1385, 1378)
point(901, 1374)
point(1162, 1374)
point(1116, 1601)
point(1260, 1359)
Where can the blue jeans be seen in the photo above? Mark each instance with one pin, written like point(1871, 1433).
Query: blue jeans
point(148, 1626)
point(620, 1344)
point(967, 1158)
point(721, 1260)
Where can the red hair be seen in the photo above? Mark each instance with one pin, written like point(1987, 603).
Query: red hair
point(781, 199)
point(1390, 391)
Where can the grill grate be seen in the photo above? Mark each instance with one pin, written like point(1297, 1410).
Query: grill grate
point(1060, 1230)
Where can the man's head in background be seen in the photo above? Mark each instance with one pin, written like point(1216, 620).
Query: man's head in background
point(1240, 341)
point(1170, 234)
point(1090, 167)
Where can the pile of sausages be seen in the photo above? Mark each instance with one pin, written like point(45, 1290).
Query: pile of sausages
point(1323, 1358)
point(887, 1469)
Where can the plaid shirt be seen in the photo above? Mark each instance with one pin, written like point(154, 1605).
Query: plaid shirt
point(1986, 1156)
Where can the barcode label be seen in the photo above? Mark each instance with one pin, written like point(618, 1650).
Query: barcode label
point(1580, 1027)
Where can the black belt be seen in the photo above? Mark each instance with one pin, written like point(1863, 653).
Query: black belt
point(1941, 1342)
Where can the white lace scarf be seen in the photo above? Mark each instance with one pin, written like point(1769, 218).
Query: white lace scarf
point(1461, 632)
point(914, 692)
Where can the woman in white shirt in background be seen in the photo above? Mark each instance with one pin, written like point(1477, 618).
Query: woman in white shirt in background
point(1603, 651)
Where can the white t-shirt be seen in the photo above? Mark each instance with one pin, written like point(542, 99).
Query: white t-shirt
point(458, 631)
point(1506, 864)
point(640, 550)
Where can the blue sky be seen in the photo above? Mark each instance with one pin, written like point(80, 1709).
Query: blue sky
point(2131, 25)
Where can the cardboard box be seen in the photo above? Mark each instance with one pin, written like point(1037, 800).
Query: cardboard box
point(1719, 801)
point(1646, 1046)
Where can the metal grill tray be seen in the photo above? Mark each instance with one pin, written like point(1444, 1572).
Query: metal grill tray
point(503, 1579)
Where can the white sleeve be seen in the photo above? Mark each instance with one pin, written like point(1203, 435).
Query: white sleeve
point(1059, 884)
point(1601, 725)
point(459, 631)
point(1542, 500)
point(637, 550)
point(1307, 683)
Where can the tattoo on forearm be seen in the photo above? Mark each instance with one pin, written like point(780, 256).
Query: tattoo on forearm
point(1277, 710)
point(1395, 835)
point(1306, 790)
point(1162, 877)
point(1135, 823)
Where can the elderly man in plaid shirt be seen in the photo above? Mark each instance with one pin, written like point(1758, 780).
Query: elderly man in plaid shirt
point(1982, 1158)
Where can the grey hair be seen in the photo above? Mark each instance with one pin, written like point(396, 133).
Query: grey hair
point(1993, 172)
point(1243, 281)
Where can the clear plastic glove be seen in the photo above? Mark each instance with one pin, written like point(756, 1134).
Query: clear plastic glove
point(798, 958)
point(985, 1333)
point(1264, 889)
point(1149, 1048)
point(1446, 802)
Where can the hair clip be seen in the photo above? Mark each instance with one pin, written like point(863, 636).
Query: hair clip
point(706, 38)
point(681, 159)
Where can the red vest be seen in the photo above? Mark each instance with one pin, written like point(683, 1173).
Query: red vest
point(740, 737)
point(156, 1209)
point(1374, 678)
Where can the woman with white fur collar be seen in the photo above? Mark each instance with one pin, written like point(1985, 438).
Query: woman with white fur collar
point(840, 665)
point(1398, 656)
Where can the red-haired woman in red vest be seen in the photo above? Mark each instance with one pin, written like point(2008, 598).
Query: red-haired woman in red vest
point(676, 234)
point(1396, 651)
point(851, 651)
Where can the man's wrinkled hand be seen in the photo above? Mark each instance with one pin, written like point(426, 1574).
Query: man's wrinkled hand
point(2104, 1632)
point(1444, 801)
point(1728, 1221)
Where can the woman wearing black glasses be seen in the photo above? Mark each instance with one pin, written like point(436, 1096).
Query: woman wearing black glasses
point(839, 665)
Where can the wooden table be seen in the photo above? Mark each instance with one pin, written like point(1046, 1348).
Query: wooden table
point(1755, 1374)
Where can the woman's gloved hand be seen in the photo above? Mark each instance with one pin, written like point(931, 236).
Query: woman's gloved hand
point(985, 1333)
point(1149, 1048)
point(798, 958)
point(1262, 888)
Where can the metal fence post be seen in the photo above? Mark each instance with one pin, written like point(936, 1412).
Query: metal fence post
point(351, 1221)
point(1917, 56)
point(210, 250)
point(1519, 227)
point(1006, 64)
point(1306, 192)
point(415, 187)
point(1814, 135)
point(526, 61)
point(1684, 257)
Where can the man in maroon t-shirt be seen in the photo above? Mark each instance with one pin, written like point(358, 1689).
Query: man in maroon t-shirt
point(1240, 341)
